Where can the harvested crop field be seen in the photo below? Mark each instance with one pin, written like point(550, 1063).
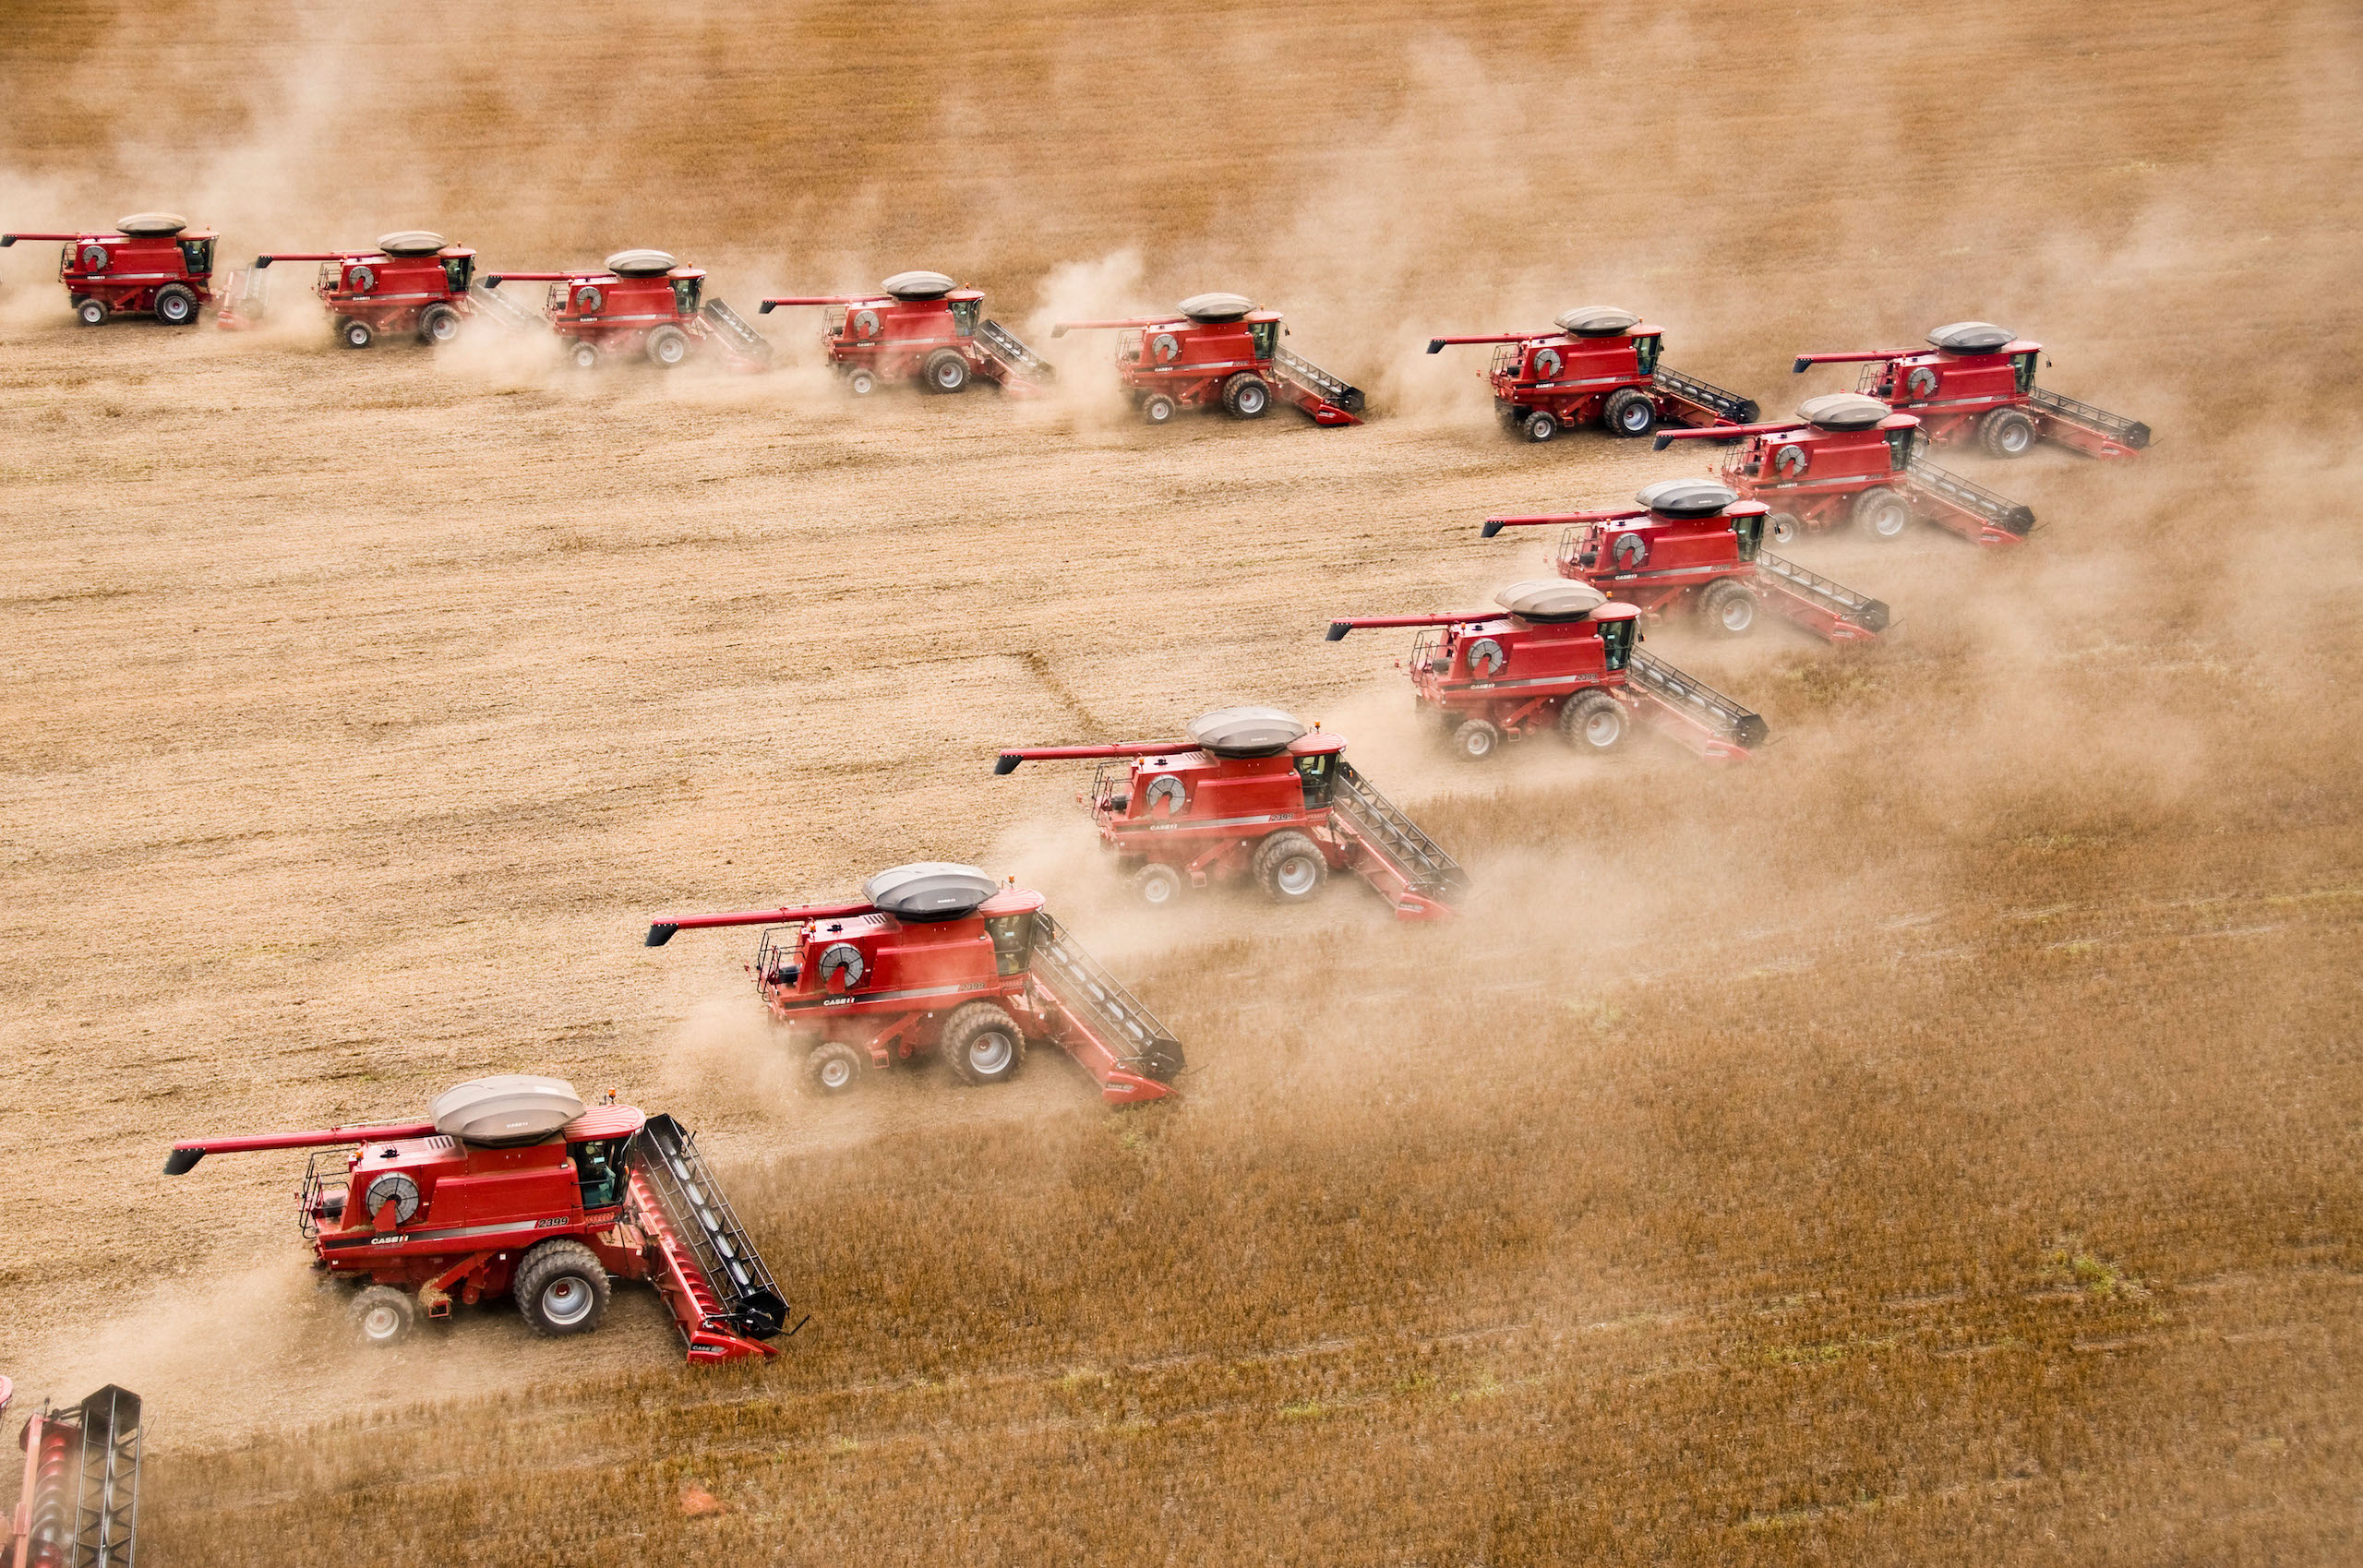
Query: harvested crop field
point(1938, 1139)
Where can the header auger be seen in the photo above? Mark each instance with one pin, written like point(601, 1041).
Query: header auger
point(513, 1187)
point(920, 328)
point(78, 1506)
point(150, 264)
point(1252, 794)
point(1600, 365)
point(1220, 349)
point(646, 303)
point(1978, 380)
point(411, 283)
point(937, 958)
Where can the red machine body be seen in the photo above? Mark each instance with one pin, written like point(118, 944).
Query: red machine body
point(1220, 351)
point(418, 1219)
point(1252, 794)
point(1557, 655)
point(1977, 381)
point(1694, 544)
point(412, 283)
point(1602, 365)
point(890, 978)
point(921, 329)
point(155, 266)
point(1845, 459)
point(646, 304)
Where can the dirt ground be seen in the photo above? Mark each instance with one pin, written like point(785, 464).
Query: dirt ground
point(1936, 1140)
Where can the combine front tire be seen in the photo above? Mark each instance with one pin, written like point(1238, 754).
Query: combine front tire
point(835, 1067)
point(666, 347)
point(1159, 886)
point(561, 1289)
point(946, 371)
point(2007, 432)
point(356, 334)
point(1476, 740)
point(1244, 396)
point(383, 1315)
point(439, 323)
point(175, 307)
point(1593, 721)
point(90, 312)
point(1157, 408)
point(1727, 608)
point(982, 1044)
point(1290, 868)
point(1882, 514)
point(1540, 425)
point(1629, 413)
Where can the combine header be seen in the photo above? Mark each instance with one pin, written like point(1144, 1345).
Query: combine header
point(922, 329)
point(1220, 349)
point(1603, 365)
point(513, 1188)
point(412, 283)
point(940, 958)
point(646, 303)
point(1559, 656)
point(80, 1504)
point(1979, 381)
point(151, 266)
point(1694, 543)
point(1252, 793)
point(1848, 459)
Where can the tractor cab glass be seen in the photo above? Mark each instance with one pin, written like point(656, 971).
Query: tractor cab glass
point(1266, 336)
point(456, 271)
point(1645, 353)
point(1899, 446)
point(1319, 774)
point(599, 1170)
point(1013, 937)
point(684, 295)
point(2023, 365)
point(1616, 641)
point(963, 317)
point(196, 256)
point(1749, 529)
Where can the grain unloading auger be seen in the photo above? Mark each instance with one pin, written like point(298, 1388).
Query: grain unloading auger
point(1252, 792)
point(920, 327)
point(1600, 365)
point(1220, 351)
point(940, 959)
point(79, 1506)
point(514, 1187)
point(1977, 381)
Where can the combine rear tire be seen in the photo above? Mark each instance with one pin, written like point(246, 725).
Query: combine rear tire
point(1784, 527)
point(861, 383)
point(356, 334)
point(1882, 514)
point(1244, 396)
point(1629, 413)
point(835, 1067)
point(586, 357)
point(2007, 432)
point(383, 1315)
point(1476, 740)
point(1593, 721)
point(1727, 608)
point(1540, 425)
point(666, 347)
point(561, 1289)
point(982, 1044)
point(175, 307)
point(1159, 886)
point(946, 371)
point(1157, 408)
point(439, 323)
point(90, 312)
point(1290, 868)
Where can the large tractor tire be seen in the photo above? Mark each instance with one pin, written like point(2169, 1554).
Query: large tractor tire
point(176, 305)
point(1882, 514)
point(383, 1315)
point(1245, 396)
point(1290, 868)
point(2007, 432)
point(945, 372)
point(1727, 608)
point(561, 1289)
point(835, 1067)
point(1592, 721)
point(982, 1044)
point(1629, 413)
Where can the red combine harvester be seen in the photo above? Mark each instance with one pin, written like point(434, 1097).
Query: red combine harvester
point(1558, 655)
point(151, 266)
point(514, 1188)
point(644, 303)
point(1849, 459)
point(1252, 793)
point(1603, 365)
point(1694, 543)
point(921, 328)
point(936, 957)
point(1979, 381)
point(80, 1504)
point(1220, 349)
point(412, 283)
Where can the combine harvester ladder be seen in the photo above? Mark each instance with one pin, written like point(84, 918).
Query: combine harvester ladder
point(1833, 613)
point(1691, 712)
point(1718, 406)
point(1100, 1022)
point(2092, 431)
point(1389, 850)
point(1014, 356)
point(743, 339)
point(1326, 397)
point(1962, 507)
point(504, 311)
point(724, 1298)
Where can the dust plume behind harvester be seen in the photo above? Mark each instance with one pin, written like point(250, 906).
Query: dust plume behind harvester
point(513, 1187)
point(411, 285)
point(1693, 546)
point(642, 304)
point(1252, 794)
point(1848, 460)
point(1603, 365)
point(77, 1504)
point(1977, 381)
point(920, 328)
point(1220, 351)
point(150, 264)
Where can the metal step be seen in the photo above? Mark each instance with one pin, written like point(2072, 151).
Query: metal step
point(504, 310)
point(1332, 388)
point(1386, 827)
point(1860, 609)
point(734, 325)
point(1005, 347)
point(2116, 426)
point(1098, 1003)
point(746, 1300)
point(1724, 405)
point(1696, 700)
point(2009, 516)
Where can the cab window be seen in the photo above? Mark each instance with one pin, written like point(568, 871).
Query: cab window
point(1644, 354)
point(1264, 335)
point(1318, 773)
point(963, 317)
point(684, 295)
point(196, 256)
point(1013, 937)
point(2023, 364)
point(599, 1170)
point(455, 273)
point(1899, 446)
point(1616, 641)
point(1750, 529)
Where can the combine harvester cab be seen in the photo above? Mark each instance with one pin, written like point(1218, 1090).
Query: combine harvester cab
point(1557, 655)
point(1254, 794)
point(921, 328)
point(1693, 544)
point(1600, 365)
point(79, 1506)
point(1220, 351)
point(1977, 381)
point(644, 304)
point(514, 1188)
point(1847, 459)
point(153, 264)
point(412, 284)
point(940, 959)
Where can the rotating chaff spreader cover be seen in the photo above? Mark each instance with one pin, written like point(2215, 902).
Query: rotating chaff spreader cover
point(1842, 411)
point(929, 889)
point(504, 1111)
point(1550, 600)
point(1244, 732)
point(1972, 337)
point(1686, 497)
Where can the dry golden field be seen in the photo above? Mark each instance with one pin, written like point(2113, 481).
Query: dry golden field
point(1938, 1141)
